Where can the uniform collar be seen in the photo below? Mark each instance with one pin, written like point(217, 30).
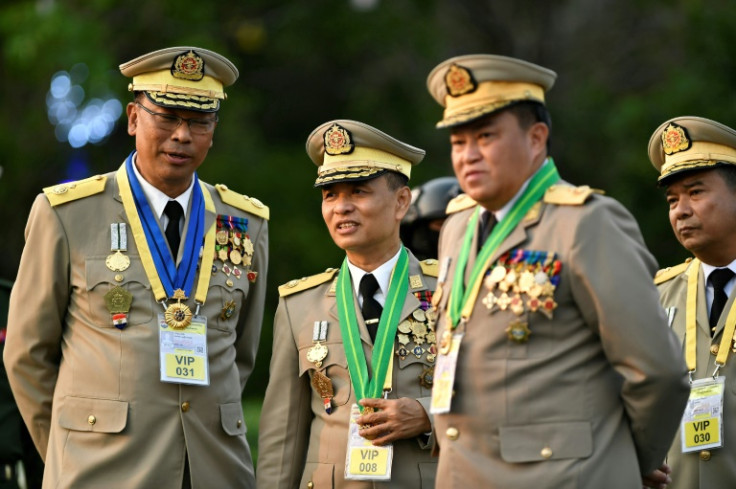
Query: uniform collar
point(157, 199)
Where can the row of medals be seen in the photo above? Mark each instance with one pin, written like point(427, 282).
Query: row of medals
point(232, 247)
point(521, 287)
point(416, 336)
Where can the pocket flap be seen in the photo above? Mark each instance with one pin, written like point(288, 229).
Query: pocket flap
point(232, 419)
point(550, 441)
point(98, 415)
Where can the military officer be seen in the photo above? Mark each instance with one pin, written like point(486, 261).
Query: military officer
point(555, 366)
point(342, 346)
point(696, 159)
point(137, 309)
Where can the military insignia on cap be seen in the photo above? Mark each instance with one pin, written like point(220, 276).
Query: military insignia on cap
point(459, 81)
point(188, 66)
point(338, 141)
point(675, 139)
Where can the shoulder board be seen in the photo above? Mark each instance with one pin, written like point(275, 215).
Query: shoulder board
point(430, 267)
point(569, 195)
point(243, 202)
point(669, 273)
point(460, 203)
point(68, 192)
point(297, 285)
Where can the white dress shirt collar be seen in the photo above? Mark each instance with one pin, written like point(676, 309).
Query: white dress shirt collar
point(158, 200)
point(382, 274)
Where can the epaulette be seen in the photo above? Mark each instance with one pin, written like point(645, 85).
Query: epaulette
point(669, 273)
point(243, 202)
point(304, 283)
point(430, 267)
point(459, 203)
point(569, 195)
point(68, 192)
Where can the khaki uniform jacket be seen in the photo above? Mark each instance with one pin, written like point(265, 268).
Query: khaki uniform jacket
point(715, 468)
point(90, 393)
point(594, 397)
point(298, 441)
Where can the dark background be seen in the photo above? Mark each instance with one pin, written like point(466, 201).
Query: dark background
point(624, 67)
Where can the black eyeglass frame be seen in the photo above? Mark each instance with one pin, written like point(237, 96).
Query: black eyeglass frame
point(162, 120)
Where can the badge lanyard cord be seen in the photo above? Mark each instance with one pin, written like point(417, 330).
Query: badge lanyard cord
point(691, 328)
point(139, 236)
point(382, 359)
point(462, 300)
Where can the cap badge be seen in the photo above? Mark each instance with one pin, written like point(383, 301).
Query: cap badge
point(188, 66)
point(459, 81)
point(338, 141)
point(674, 139)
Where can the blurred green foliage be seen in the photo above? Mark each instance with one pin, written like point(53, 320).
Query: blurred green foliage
point(624, 67)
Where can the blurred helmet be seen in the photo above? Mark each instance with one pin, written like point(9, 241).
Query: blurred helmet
point(420, 226)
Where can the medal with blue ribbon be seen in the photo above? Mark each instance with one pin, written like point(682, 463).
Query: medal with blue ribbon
point(168, 280)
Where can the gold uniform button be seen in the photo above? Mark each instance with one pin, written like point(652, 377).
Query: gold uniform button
point(714, 349)
point(229, 283)
point(452, 433)
point(546, 452)
point(119, 277)
point(310, 485)
point(705, 455)
point(185, 406)
point(240, 423)
point(91, 419)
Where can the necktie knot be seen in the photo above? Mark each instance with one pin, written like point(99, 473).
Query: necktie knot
point(174, 212)
point(487, 223)
point(718, 278)
point(371, 308)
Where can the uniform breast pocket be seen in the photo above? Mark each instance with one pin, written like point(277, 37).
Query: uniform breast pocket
point(334, 367)
point(109, 292)
point(225, 299)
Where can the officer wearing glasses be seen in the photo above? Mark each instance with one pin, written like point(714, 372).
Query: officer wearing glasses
point(136, 313)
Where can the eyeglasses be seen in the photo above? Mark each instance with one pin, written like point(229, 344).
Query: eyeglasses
point(170, 122)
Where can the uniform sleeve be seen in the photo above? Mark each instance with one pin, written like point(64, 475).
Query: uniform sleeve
point(251, 320)
point(38, 305)
point(612, 285)
point(283, 435)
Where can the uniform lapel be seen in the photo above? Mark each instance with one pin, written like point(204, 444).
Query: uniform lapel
point(701, 311)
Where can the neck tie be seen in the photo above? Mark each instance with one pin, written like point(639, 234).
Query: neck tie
point(371, 308)
point(174, 212)
point(719, 278)
point(487, 222)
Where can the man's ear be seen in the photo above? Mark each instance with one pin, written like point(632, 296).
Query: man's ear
point(538, 134)
point(132, 112)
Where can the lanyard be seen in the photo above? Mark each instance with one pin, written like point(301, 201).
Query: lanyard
point(383, 348)
point(462, 300)
point(156, 266)
point(691, 328)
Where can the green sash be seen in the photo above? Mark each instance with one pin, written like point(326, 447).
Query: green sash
point(383, 347)
point(462, 300)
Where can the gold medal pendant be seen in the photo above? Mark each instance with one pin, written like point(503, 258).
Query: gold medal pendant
point(518, 332)
point(446, 342)
point(117, 262)
point(178, 315)
point(317, 353)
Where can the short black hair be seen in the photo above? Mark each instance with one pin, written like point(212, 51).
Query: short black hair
point(395, 180)
point(529, 113)
point(728, 173)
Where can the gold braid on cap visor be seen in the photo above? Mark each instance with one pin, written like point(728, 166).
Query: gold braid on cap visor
point(699, 155)
point(488, 97)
